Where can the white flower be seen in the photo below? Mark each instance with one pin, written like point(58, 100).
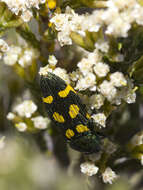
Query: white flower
point(65, 24)
point(92, 22)
point(10, 116)
point(89, 23)
point(118, 79)
point(28, 56)
point(20, 6)
point(89, 168)
point(26, 15)
point(121, 4)
point(108, 90)
point(94, 57)
point(137, 139)
point(44, 70)
point(130, 97)
point(96, 101)
point(117, 20)
point(101, 69)
point(62, 73)
point(3, 46)
point(62, 24)
point(75, 75)
point(109, 176)
point(60, 21)
point(40, 122)
point(52, 60)
point(118, 28)
point(85, 66)
point(138, 14)
point(21, 126)
point(2, 142)
point(26, 108)
point(64, 39)
point(100, 118)
point(11, 56)
point(88, 81)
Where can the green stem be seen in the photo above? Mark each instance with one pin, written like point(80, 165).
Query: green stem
point(28, 35)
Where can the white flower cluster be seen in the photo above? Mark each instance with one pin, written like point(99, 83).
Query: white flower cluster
point(23, 7)
point(57, 71)
point(90, 169)
point(3, 47)
point(117, 18)
point(65, 24)
point(24, 110)
point(23, 56)
point(94, 75)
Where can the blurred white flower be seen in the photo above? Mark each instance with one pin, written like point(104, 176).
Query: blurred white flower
point(26, 108)
point(89, 168)
point(130, 97)
point(27, 57)
point(12, 55)
point(10, 116)
point(3, 46)
point(40, 122)
point(44, 70)
point(21, 126)
point(26, 15)
point(100, 118)
point(52, 60)
point(109, 176)
point(137, 139)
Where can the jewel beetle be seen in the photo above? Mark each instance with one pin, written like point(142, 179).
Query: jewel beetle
point(66, 110)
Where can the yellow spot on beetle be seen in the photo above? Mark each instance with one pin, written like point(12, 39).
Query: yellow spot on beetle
point(57, 117)
point(48, 99)
point(69, 133)
point(88, 116)
point(81, 128)
point(73, 110)
point(51, 4)
point(65, 92)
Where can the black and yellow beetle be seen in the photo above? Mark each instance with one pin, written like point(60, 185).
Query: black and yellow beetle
point(65, 109)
